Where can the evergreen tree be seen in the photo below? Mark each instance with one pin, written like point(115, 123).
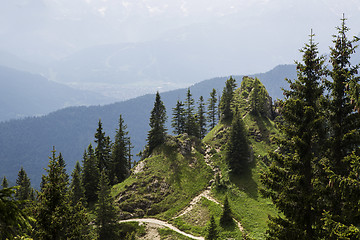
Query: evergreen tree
point(226, 217)
point(157, 133)
point(90, 175)
point(13, 221)
point(226, 99)
point(55, 216)
point(120, 154)
point(342, 157)
point(53, 209)
point(237, 152)
point(4, 183)
point(257, 98)
point(77, 187)
point(212, 232)
point(212, 113)
point(23, 192)
point(102, 150)
point(79, 223)
point(63, 166)
point(178, 119)
point(106, 216)
point(292, 178)
point(191, 127)
point(201, 118)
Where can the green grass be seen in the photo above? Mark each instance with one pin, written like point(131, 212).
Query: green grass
point(188, 175)
point(168, 234)
point(184, 176)
point(196, 222)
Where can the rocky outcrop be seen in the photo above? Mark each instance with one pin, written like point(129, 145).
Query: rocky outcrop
point(141, 197)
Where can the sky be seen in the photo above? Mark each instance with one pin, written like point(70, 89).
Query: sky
point(224, 36)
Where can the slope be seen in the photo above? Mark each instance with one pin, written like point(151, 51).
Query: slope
point(28, 142)
point(24, 94)
point(185, 182)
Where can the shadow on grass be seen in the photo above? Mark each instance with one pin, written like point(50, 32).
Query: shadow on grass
point(229, 226)
point(245, 182)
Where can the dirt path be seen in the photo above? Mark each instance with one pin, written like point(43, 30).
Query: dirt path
point(162, 224)
point(206, 193)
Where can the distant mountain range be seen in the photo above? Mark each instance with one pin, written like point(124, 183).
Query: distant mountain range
point(28, 142)
point(25, 94)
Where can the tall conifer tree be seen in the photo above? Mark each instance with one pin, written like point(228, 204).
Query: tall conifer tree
point(226, 99)
point(77, 187)
point(102, 149)
point(291, 180)
point(90, 175)
point(24, 190)
point(190, 120)
point(13, 221)
point(4, 183)
point(55, 217)
point(120, 154)
point(212, 110)
point(201, 118)
point(53, 209)
point(342, 162)
point(237, 151)
point(106, 217)
point(157, 133)
point(178, 119)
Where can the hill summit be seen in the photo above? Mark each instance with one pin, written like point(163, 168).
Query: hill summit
point(185, 181)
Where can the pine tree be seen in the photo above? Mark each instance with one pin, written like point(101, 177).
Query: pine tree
point(237, 151)
point(291, 180)
point(157, 133)
point(226, 99)
point(13, 221)
point(53, 203)
point(90, 175)
point(102, 150)
point(55, 216)
point(77, 187)
point(201, 119)
point(120, 154)
point(342, 158)
point(212, 113)
point(190, 120)
point(226, 217)
point(4, 183)
point(212, 232)
point(257, 98)
point(23, 192)
point(106, 216)
point(178, 119)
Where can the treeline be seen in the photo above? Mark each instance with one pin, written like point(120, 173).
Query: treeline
point(61, 208)
point(81, 207)
point(314, 176)
point(187, 119)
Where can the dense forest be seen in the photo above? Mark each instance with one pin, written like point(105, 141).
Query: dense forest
point(301, 154)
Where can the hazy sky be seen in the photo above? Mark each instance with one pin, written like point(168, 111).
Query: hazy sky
point(46, 30)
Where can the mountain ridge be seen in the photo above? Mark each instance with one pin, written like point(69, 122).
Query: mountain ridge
point(28, 142)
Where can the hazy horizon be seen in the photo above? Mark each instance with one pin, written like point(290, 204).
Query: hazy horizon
point(123, 49)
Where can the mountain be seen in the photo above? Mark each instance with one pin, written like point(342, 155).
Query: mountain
point(121, 48)
point(185, 181)
point(28, 142)
point(25, 94)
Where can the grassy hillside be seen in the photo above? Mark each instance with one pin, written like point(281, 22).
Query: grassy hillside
point(165, 185)
point(28, 142)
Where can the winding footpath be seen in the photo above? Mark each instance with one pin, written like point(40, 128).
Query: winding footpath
point(194, 201)
point(163, 224)
point(206, 193)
